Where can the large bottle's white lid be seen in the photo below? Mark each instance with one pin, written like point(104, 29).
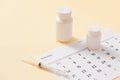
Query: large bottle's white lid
point(64, 12)
point(94, 31)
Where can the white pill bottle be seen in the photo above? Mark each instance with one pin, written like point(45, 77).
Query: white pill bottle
point(94, 38)
point(64, 25)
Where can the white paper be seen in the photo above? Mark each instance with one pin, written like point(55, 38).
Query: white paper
point(82, 64)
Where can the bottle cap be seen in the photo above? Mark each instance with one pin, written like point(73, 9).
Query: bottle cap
point(94, 31)
point(64, 12)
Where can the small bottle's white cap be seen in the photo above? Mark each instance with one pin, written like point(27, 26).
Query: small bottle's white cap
point(64, 12)
point(94, 31)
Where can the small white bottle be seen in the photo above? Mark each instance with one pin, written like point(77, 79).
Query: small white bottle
point(64, 25)
point(93, 38)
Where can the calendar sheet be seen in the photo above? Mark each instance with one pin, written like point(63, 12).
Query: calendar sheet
point(84, 64)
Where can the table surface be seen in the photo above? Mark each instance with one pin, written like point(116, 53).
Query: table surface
point(27, 29)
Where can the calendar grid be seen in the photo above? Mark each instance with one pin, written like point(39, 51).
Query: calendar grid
point(84, 64)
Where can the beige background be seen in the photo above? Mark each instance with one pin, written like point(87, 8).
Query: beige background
point(27, 29)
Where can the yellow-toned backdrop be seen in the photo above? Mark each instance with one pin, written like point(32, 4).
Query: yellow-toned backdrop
point(27, 29)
